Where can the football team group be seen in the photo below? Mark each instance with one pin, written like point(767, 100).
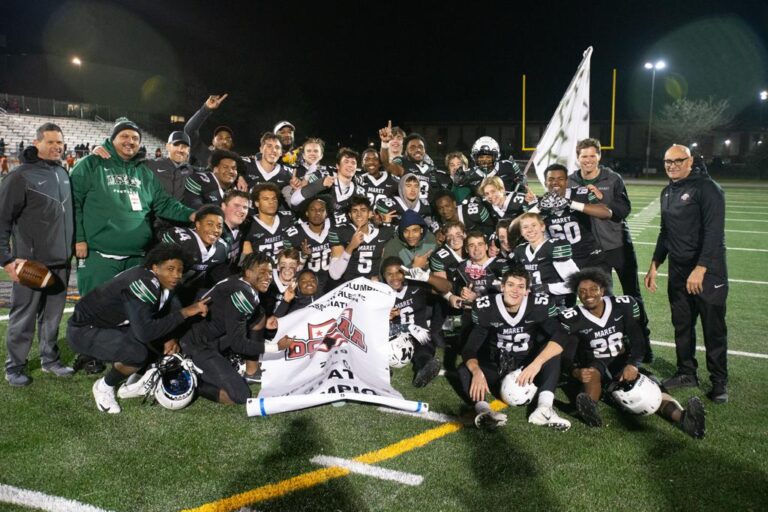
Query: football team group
point(201, 253)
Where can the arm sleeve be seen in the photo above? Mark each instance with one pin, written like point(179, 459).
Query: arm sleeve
point(307, 191)
point(192, 128)
point(12, 199)
point(192, 191)
point(635, 334)
point(712, 208)
point(144, 326)
point(337, 267)
point(245, 341)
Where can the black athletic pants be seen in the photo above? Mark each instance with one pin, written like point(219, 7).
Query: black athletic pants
point(686, 309)
point(624, 261)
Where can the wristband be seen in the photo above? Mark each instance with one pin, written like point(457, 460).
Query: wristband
point(270, 347)
point(447, 296)
point(385, 145)
point(579, 207)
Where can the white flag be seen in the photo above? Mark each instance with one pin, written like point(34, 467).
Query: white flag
point(569, 125)
point(341, 352)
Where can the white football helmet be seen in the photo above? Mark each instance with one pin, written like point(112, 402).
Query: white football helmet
point(641, 396)
point(485, 146)
point(401, 352)
point(513, 393)
point(176, 382)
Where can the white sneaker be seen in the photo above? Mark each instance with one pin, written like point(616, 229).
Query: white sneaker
point(105, 397)
point(490, 420)
point(547, 417)
point(136, 385)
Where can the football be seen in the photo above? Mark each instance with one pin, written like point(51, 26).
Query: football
point(34, 274)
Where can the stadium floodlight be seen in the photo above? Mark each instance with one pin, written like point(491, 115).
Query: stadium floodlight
point(763, 95)
point(695, 145)
point(76, 61)
point(653, 67)
point(727, 142)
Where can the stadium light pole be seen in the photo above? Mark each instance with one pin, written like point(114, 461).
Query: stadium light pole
point(79, 63)
point(658, 66)
point(763, 97)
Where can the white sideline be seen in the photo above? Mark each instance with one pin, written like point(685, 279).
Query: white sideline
point(4, 318)
point(702, 349)
point(727, 248)
point(729, 280)
point(38, 500)
point(431, 416)
point(367, 469)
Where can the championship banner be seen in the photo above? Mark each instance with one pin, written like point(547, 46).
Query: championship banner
point(568, 125)
point(341, 352)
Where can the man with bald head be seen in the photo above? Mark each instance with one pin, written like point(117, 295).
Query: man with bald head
point(693, 237)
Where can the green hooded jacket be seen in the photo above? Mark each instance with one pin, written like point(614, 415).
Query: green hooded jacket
point(113, 200)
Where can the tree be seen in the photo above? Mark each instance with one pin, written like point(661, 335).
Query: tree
point(685, 121)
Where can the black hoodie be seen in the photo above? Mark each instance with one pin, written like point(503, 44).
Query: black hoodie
point(36, 212)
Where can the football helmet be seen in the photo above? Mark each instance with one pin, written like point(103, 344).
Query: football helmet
point(513, 393)
point(485, 146)
point(175, 382)
point(401, 350)
point(641, 396)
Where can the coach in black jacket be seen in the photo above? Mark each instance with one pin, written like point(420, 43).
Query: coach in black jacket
point(693, 236)
point(36, 215)
point(172, 172)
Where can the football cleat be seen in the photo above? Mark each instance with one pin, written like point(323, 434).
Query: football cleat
point(490, 420)
point(105, 397)
point(253, 378)
point(427, 373)
point(547, 417)
point(588, 410)
point(692, 421)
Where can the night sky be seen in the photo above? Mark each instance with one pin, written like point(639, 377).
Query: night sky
point(346, 67)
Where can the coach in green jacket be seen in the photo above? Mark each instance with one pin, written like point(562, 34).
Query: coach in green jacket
point(112, 200)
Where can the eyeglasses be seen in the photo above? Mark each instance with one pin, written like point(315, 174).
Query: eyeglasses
point(677, 162)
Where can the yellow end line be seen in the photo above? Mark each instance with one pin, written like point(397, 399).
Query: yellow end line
point(313, 478)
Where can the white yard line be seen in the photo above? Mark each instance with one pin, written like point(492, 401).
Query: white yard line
point(743, 281)
point(744, 220)
point(430, 416)
point(702, 349)
point(4, 318)
point(38, 500)
point(742, 231)
point(367, 469)
point(728, 248)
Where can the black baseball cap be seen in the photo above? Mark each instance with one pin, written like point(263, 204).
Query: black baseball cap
point(179, 137)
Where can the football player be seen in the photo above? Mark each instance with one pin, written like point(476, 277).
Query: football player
point(503, 204)
point(307, 286)
point(472, 213)
point(339, 189)
point(311, 153)
point(410, 309)
point(506, 336)
point(610, 352)
point(235, 207)
point(376, 183)
point(444, 262)
point(390, 209)
point(131, 318)
point(235, 322)
point(566, 212)
point(310, 236)
point(210, 187)
point(485, 157)
point(208, 253)
point(267, 167)
point(269, 226)
point(548, 261)
point(356, 247)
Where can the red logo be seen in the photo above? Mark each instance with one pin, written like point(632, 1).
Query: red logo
point(475, 272)
point(331, 333)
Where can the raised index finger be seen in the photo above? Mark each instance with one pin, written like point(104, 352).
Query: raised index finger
point(389, 124)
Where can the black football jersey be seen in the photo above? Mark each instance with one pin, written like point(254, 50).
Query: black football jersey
point(507, 170)
point(476, 216)
point(514, 205)
point(274, 294)
point(517, 334)
point(376, 189)
point(133, 297)
point(574, 226)
point(540, 263)
point(208, 264)
point(319, 245)
point(269, 239)
point(302, 171)
point(202, 188)
point(255, 174)
point(397, 204)
point(233, 309)
point(234, 240)
point(366, 259)
point(423, 170)
point(412, 303)
point(483, 278)
point(445, 259)
point(618, 332)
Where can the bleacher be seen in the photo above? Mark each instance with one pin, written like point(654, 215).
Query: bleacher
point(15, 128)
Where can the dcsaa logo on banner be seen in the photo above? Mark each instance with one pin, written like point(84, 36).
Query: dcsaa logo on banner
point(340, 352)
